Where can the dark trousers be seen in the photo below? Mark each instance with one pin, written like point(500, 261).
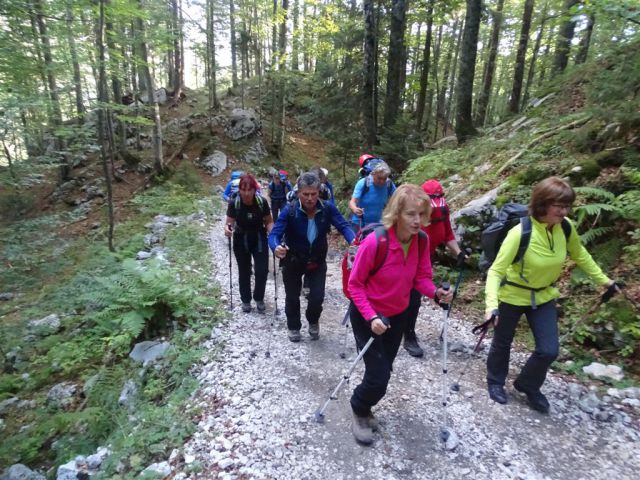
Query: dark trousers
point(277, 204)
point(543, 322)
point(292, 273)
point(378, 359)
point(246, 246)
point(415, 300)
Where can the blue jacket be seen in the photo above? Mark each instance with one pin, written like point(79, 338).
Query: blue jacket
point(294, 228)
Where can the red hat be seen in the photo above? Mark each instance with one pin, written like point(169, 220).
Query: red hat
point(284, 173)
point(432, 187)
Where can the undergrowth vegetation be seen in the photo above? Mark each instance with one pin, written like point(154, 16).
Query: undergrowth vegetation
point(106, 303)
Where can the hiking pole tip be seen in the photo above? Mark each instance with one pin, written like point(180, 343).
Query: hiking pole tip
point(455, 387)
point(318, 417)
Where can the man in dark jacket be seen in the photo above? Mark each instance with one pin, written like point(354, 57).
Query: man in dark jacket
point(299, 239)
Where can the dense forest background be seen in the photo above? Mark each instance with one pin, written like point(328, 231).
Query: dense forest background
point(108, 106)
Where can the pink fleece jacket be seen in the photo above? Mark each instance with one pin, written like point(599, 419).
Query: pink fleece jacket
point(387, 291)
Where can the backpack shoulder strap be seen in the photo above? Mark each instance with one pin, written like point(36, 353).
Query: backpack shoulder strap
point(292, 209)
point(525, 238)
point(422, 242)
point(382, 248)
point(566, 228)
point(366, 186)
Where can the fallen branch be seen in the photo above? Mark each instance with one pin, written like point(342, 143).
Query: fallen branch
point(547, 134)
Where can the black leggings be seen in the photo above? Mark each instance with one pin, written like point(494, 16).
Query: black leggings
point(246, 246)
point(378, 359)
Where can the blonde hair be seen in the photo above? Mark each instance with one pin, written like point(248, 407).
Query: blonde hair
point(399, 200)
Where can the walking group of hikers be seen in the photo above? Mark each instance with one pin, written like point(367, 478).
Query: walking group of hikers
point(390, 272)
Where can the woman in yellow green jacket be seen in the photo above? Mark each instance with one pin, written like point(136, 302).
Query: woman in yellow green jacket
point(526, 287)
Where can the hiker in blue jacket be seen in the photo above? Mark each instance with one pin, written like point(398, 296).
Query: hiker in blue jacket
point(232, 185)
point(370, 195)
point(299, 239)
point(279, 187)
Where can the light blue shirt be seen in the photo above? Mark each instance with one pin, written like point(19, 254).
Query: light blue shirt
point(373, 201)
point(312, 228)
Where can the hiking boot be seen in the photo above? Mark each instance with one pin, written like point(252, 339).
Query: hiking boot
point(537, 401)
point(497, 394)
point(260, 307)
point(374, 424)
point(411, 345)
point(362, 430)
point(246, 307)
point(314, 331)
point(294, 335)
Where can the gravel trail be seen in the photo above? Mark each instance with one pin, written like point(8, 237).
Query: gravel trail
point(254, 412)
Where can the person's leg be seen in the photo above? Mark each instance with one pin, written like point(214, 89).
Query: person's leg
point(410, 339)
point(500, 351)
point(317, 279)
point(543, 322)
point(291, 279)
point(261, 267)
point(393, 337)
point(243, 258)
point(377, 367)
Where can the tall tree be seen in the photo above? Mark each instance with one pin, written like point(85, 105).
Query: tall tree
point(73, 51)
point(178, 55)
point(396, 63)
point(518, 74)
point(534, 56)
point(234, 45)
point(210, 63)
point(490, 68)
point(442, 90)
point(295, 40)
point(464, 93)
point(282, 65)
point(368, 97)
point(585, 42)
point(565, 35)
point(103, 97)
point(424, 72)
point(150, 86)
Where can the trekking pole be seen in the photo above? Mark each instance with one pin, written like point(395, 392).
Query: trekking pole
point(460, 265)
point(275, 299)
point(319, 415)
point(345, 324)
point(445, 434)
point(230, 277)
point(483, 328)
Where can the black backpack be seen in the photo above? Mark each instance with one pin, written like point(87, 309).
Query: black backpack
point(510, 215)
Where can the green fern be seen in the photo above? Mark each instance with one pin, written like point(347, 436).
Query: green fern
point(595, 192)
point(593, 233)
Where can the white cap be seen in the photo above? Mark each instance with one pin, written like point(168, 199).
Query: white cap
point(324, 171)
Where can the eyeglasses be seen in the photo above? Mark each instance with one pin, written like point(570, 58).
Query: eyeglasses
point(561, 206)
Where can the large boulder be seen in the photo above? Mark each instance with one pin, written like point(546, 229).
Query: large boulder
point(21, 472)
point(255, 153)
point(214, 163)
point(242, 123)
point(45, 326)
point(147, 352)
point(478, 213)
point(63, 395)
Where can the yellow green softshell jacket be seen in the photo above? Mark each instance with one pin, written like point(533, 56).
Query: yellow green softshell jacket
point(542, 266)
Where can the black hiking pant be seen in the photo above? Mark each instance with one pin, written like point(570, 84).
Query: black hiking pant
point(543, 322)
point(245, 247)
point(315, 277)
point(415, 300)
point(277, 204)
point(378, 359)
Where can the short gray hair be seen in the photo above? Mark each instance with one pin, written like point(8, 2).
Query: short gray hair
point(308, 179)
point(382, 168)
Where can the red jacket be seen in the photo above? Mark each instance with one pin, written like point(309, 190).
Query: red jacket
point(387, 291)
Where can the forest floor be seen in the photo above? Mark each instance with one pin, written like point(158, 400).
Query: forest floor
point(258, 393)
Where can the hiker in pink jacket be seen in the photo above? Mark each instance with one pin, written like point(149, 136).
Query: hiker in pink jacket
point(383, 291)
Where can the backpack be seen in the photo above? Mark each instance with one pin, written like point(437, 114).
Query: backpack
point(325, 193)
point(382, 249)
point(367, 185)
point(510, 215)
point(235, 197)
point(368, 166)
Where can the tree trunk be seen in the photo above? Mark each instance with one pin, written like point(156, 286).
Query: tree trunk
point(487, 81)
point(447, 115)
point(583, 53)
point(178, 63)
point(376, 74)
point(518, 74)
point(534, 57)
point(282, 60)
point(232, 40)
point(274, 36)
point(149, 83)
point(102, 119)
point(77, 77)
point(442, 92)
point(368, 97)
point(116, 86)
point(424, 73)
point(464, 121)
point(295, 45)
point(396, 62)
point(211, 63)
point(56, 119)
point(565, 35)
